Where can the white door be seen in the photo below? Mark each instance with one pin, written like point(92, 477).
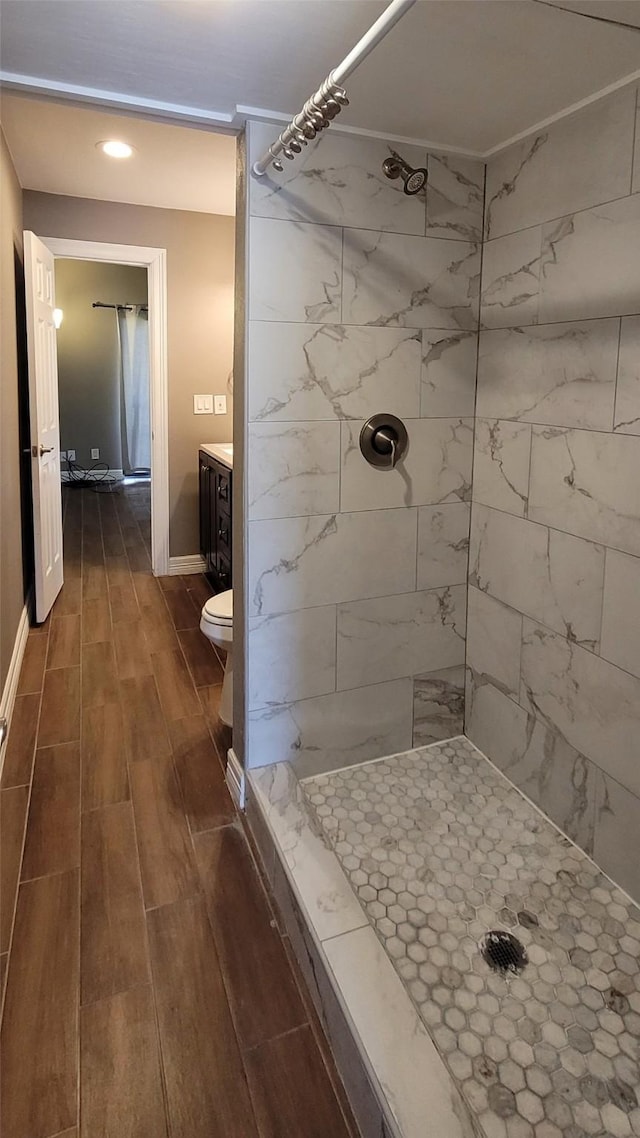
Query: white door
point(45, 428)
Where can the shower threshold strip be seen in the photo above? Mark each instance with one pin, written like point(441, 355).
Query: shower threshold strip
point(476, 973)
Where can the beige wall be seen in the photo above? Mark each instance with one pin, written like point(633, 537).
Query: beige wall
point(11, 374)
point(88, 355)
point(200, 267)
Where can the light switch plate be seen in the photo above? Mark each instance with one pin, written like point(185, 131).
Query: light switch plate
point(203, 404)
point(220, 404)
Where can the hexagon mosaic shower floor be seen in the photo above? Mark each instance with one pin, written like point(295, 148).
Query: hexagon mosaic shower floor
point(440, 848)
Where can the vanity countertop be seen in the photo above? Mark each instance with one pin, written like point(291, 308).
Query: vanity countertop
point(222, 452)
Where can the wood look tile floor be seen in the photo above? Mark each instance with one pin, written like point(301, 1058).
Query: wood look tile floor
point(147, 990)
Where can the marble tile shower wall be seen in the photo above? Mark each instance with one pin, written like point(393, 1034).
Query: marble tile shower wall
point(361, 299)
point(553, 647)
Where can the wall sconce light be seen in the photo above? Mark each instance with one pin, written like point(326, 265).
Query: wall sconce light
point(57, 317)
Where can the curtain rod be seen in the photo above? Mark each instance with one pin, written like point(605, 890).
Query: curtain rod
point(330, 98)
point(100, 304)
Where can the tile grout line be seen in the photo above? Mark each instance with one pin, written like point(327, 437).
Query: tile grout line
point(431, 328)
point(314, 1024)
point(473, 455)
point(559, 217)
point(199, 892)
point(241, 826)
point(24, 843)
point(576, 644)
point(47, 635)
point(225, 985)
point(154, 996)
point(554, 529)
point(617, 379)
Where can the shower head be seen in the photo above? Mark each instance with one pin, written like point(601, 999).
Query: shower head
point(414, 180)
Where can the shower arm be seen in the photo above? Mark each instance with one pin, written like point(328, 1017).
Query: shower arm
point(294, 132)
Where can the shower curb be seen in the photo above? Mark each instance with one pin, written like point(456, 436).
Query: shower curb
point(369, 1018)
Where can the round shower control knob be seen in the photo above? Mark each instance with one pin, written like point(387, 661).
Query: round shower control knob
point(384, 440)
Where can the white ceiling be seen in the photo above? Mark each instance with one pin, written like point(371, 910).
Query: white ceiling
point(53, 146)
point(466, 74)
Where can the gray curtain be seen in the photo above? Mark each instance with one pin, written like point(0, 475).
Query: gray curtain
point(135, 411)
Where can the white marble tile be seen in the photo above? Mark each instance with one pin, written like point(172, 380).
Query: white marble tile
point(586, 483)
point(501, 465)
point(294, 271)
point(617, 839)
point(293, 469)
point(389, 1030)
point(591, 703)
point(560, 780)
point(563, 374)
point(409, 282)
point(438, 705)
point(575, 163)
point(455, 197)
point(329, 371)
point(621, 611)
point(436, 467)
point(590, 263)
point(339, 180)
point(389, 637)
point(329, 901)
point(550, 576)
point(509, 867)
point(448, 385)
point(494, 637)
point(627, 416)
point(332, 731)
point(511, 279)
point(291, 656)
point(443, 545)
point(296, 563)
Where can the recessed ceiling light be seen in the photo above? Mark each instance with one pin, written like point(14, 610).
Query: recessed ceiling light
point(115, 148)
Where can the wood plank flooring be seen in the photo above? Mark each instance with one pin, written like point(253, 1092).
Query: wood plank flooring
point(147, 990)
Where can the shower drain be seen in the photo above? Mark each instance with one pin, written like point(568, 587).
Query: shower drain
point(503, 952)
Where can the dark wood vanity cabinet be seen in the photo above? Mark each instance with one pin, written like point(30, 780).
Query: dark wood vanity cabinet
point(215, 520)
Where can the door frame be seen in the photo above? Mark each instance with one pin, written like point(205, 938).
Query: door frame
point(155, 262)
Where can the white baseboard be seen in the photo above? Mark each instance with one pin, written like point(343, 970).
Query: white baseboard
point(7, 702)
point(191, 564)
point(235, 777)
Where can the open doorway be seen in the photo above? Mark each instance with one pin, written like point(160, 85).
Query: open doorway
point(112, 378)
point(103, 376)
point(102, 341)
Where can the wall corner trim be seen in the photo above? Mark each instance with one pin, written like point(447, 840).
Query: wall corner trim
point(9, 692)
point(193, 563)
point(235, 778)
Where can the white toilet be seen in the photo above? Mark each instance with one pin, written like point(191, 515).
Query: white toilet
point(216, 621)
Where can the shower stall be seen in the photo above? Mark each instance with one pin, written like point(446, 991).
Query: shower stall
point(441, 735)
